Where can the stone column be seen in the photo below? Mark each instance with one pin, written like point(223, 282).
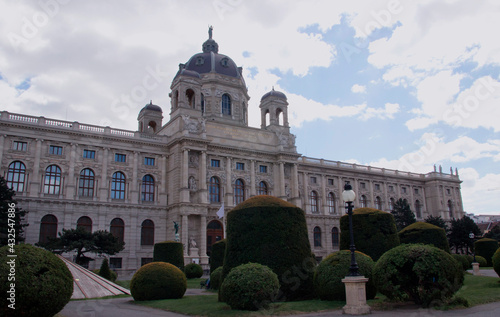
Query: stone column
point(104, 188)
point(70, 186)
point(253, 183)
point(203, 179)
point(36, 180)
point(164, 181)
point(282, 193)
point(184, 176)
point(185, 232)
point(134, 192)
point(229, 184)
point(2, 140)
point(203, 240)
point(305, 203)
point(323, 194)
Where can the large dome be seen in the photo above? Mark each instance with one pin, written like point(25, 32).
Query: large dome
point(211, 61)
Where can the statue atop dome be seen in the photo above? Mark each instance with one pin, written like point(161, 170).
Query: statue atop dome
point(210, 30)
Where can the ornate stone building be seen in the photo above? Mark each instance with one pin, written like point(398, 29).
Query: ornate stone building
point(206, 158)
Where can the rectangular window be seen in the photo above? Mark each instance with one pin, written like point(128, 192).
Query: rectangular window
point(145, 261)
point(263, 169)
point(362, 185)
point(215, 163)
point(115, 263)
point(19, 146)
point(403, 189)
point(55, 150)
point(330, 182)
point(120, 158)
point(149, 161)
point(89, 154)
point(448, 191)
point(377, 186)
point(391, 188)
point(416, 191)
point(314, 180)
point(240, 166)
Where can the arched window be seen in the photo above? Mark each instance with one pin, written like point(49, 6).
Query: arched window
point(147, 232)
point(176, 99)
point(335, 237)
point(214, 190)
point(118, 186)
point(117, 228)
point(363, 201)
point(330, 201)
point(378, 203)
point(48, 228)
point(418, 208)
point(190, 98)
point(52, 183)
point(317, 236)
point(148, 188)
point(279, 113)
point(239, 191)
point(85, 223)
point(262, 190)
point(16, 175)
point(313, 200)
point(202, 103)
point(450, 208)
point(86, 183)
point(391, 204)
point(226, 104)
point(267, 118)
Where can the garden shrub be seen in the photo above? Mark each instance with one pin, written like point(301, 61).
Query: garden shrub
point(114, 276)
point(250, 286)
point(426, 233)
point(272, 232)
point(462, 260)
point(486, 247)
point(170, 252)
point(216, 278)
point(158, 280)
point(217, 254)
point(43, 284)
point(374, 232)
point(330, 272)
point(482, 261)
point(417, 272)
point(469, 258)
point(104, 271)
point(496, 262)
point(193, 270)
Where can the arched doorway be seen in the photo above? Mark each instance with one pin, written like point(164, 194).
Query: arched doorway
point(215, 233)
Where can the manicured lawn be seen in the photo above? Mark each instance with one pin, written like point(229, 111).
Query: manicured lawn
point(477, 290)
point(191, 283)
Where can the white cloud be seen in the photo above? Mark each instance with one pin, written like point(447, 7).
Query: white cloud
point(358, 89)
point(387, 112)
point(479, 194)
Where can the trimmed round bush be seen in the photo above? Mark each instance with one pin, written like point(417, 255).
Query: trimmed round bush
point(250, 286)
point(217, 254)
point(158, 280)
point(486, 247)
point(482, 261)
point(469, 258)
point(417, 272)
point(216, 278)
point(272, 232)
point(114, 275)
point(170, 252)
point(462, 260)
point(426, 233)
point(374, 232)
point(330, 272)
point(43, 282)
point(193, 270)
point(496, 262)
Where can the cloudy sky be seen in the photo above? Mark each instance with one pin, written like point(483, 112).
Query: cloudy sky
point(397, 84)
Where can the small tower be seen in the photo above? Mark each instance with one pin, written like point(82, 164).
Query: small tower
point(274, 106)
point(150, 118)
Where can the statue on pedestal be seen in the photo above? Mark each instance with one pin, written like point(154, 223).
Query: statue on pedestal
point(176, 227)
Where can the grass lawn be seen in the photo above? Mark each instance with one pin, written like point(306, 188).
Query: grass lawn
point(477, 290)
point(191, 283)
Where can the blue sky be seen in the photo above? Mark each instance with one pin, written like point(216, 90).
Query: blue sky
point(397, 84)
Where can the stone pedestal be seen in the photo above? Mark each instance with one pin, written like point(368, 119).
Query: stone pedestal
point(193, 252)
point(475, 268)
point(355, 290)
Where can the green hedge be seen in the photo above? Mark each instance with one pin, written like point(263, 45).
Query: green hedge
point(330, 272)
point(426, 233)
point(486, 247)
point(158, 280)
point(250, 286)
point(217, 254)
point(114, 275)
point(272, 232)
point(482, 261)
point(216, 278)
point(193, 270)
point(462, 260)
point(170, 252)
point(416, 272)
point(374, 232)
point(496, 261)
point(43, 282)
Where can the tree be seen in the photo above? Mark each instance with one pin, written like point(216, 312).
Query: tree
point(82, 241)
point(458, 235)
point(12, 222)
point(437, 221)
point(402, 214)
point(494, 233)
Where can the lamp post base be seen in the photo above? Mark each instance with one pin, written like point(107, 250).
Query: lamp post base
point(355, 289)
point(475, 268)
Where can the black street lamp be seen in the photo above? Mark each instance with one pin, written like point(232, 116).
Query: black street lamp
point(471, 236)
point(348, 195)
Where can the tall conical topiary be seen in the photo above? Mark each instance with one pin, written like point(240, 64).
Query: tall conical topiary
point(104, 271)
point(272, 232)
point(170, 252)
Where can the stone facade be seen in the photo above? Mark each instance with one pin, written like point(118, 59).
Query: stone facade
point(138, 183)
